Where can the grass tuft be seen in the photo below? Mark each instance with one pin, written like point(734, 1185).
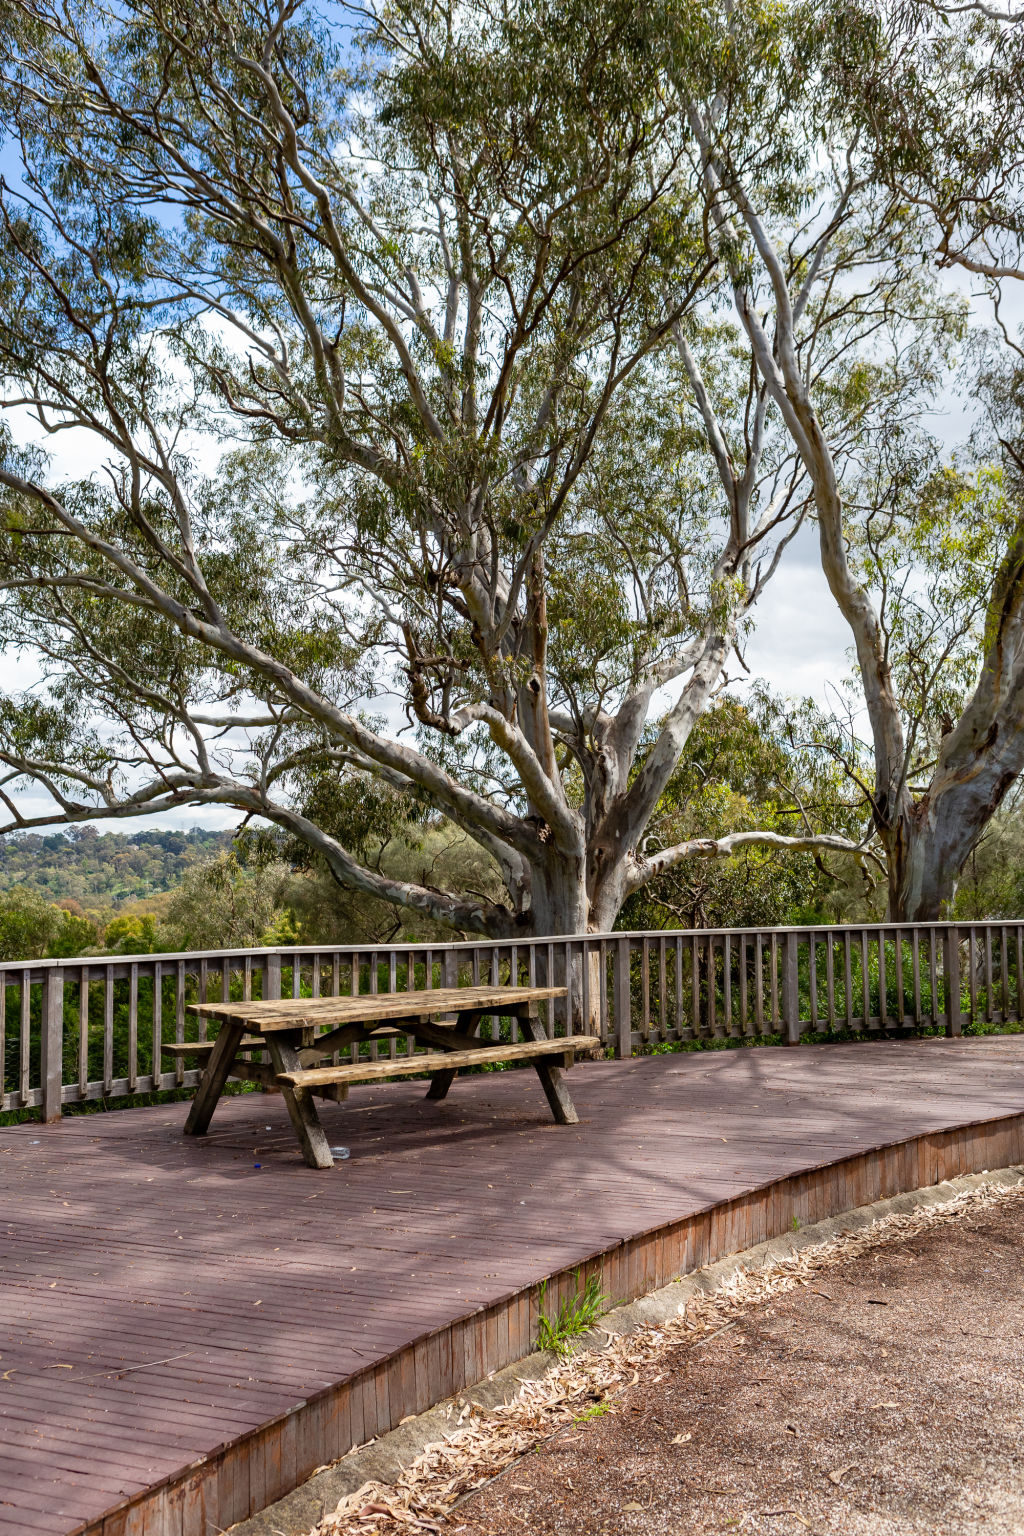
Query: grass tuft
point(576, 1316)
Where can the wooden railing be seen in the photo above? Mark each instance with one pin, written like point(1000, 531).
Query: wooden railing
point(95, 1028)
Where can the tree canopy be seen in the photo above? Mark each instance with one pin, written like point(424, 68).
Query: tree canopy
point(450, 382)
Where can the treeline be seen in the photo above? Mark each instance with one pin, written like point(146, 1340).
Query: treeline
point(103, 870)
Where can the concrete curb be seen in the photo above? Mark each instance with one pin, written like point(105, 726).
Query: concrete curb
point(384, 1459)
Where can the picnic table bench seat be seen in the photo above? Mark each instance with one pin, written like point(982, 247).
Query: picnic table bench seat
point(286, 1028)
point(204, 1047)
point(448, 1061)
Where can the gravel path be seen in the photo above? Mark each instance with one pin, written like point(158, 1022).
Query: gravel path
point(886, 1396)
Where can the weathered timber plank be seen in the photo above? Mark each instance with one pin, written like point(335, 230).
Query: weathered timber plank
point(291, 1012)
point(370, 1071)
point(298, 1101)
point(212, 1085)
point(206, 1047)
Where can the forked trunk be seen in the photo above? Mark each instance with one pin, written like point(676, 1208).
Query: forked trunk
point(926, 850)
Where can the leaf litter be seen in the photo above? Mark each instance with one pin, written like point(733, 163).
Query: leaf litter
point(450, 1469)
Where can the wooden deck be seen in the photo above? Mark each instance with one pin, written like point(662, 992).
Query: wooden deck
point(184, 1334)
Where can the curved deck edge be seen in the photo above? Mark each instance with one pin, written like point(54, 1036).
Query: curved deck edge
point(385, 1459)
point(244, 1476)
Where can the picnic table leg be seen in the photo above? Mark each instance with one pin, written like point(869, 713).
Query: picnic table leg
point(299, 1104)
point(211, 1084)
point(555, 1091)
point(467, 1023)
point(440, 1082)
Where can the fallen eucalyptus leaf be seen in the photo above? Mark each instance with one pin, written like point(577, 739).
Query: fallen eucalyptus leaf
point(840, 1472)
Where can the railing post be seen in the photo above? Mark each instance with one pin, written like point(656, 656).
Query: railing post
point(951, 969)
point(623, 1003)
point(272, 977)
point(52, 1042)
point(791, 989)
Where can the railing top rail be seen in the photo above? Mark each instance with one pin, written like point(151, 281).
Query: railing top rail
point(288, 951)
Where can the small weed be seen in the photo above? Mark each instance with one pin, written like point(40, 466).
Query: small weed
point(595, 1411)
point(575, 1316)
point(795, 1224)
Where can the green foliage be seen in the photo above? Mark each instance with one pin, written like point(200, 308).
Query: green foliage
point(456, 261)
point(222, 904)
point(992, 881)
point(576, 1316)
point(746, 767)
point(100, 870)
point(131, 934)
point(438, 855)
point(76, 934)
point(28, 925)
point(31, 928)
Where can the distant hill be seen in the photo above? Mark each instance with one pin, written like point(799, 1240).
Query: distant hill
point(103, 869)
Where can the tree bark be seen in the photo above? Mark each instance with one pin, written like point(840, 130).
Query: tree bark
point(929, 844)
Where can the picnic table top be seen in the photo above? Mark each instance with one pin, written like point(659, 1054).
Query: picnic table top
point(294, 1012)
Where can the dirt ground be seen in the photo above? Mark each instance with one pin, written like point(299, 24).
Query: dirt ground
point(886, 1398)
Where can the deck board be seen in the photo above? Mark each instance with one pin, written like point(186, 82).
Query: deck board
point(124, 1243)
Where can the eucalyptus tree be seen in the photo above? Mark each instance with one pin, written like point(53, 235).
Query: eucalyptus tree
point(899, 127)
point(441, 295)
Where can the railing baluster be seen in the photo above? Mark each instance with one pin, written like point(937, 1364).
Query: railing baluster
point(865, 977)
point(25, 1041)
point(741, 966)
point(848, 978)
point(108, 1032)
point(83, 1035)
point(158, 1021)
point(933, 977)
point(728, 1024)
point(353, 988)
point(662, 989)
point(712, 975)
point(133, 1027)
point(812, 975)
point(179, 1022)
point(694, 985)
point(677, 945)
point(603, 992)
point(3, 1038)
point(514, 982)
point(830, 980)
point(759, 983)
point(989, 1011)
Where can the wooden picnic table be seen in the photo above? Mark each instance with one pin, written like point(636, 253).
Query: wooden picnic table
point(299, 1032)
